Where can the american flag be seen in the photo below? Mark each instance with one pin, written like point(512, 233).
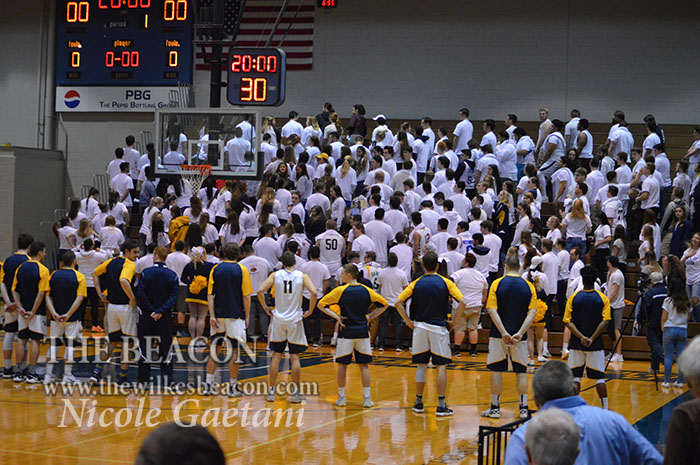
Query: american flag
point(295, 35)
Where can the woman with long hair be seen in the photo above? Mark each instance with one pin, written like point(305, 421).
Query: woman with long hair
point(111, 237)
point(287, 233)
point(553, 233)
point(153, 207)
point(523, 224)
point(337, 204)
point(650, 220)
point(311, 130)
point(231, 231)
point(303, 181)
point(88, 206)
point(674, 324)
point(691, 261)
point(195, 276)
point(268, 127)
point(315, 223)
point(334, 126)
point(577, 224)
point(602, 238)
point(501, 214)
point(74, 213)
point(290, 156)
point(194, 211)
point(358, 123)
point(361, 168)
point(85, 231)
point(619, 246)
point(267, 216)
point(647, 244)
point(682, 231)
point(207, 230)
point(66, 236)
point(158, 236)
point(530, 200)
point(525, 247)
point(347, 179)
point(223, 199)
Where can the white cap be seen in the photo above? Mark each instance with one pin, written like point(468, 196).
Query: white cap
point(379, 116)
point(536, 261)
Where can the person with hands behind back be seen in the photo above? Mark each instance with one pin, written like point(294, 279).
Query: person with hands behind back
point(350, 305)
point(430, 303)
point(287, 326)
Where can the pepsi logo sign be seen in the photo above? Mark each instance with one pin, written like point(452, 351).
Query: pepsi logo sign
point(71, 99)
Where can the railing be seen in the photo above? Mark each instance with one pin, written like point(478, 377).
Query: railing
point(493, 441)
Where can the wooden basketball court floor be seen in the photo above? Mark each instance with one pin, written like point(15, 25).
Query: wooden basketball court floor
point(388, 433)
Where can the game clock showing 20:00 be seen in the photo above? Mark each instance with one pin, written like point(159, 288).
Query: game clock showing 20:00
point(124, 42)
point(256, 76)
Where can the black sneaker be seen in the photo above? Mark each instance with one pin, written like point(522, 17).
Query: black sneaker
point(456, 353)
point(8, 373)
point(20, 376)
point(418, 407)
point(474, 353)
point(443, 411)
point(524, 412)
point(32, 379)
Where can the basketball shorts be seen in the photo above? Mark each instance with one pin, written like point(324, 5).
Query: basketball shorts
point(121, 321)
point(431, 342)
point(471, 319)
point(10, 324)
point(499, 353)
point(346, 348)
point(282, 333)
point(69, 329)
point(592, 361)
point(34, 329)
point(231, 328)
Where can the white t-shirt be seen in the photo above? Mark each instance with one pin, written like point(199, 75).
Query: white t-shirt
point(177, 261)
point(331, 245)
point(362, 245)
point(550, 268)
point(111, 238)
point(453, 260)
point(508, 159)
point(526, 143)
point(227, 237)
point(649, 142)
point(258, 269)
point(269, 249)
point(651, 185)
point(465, 131)
point(675, 318)
point(292, 127)
point(601, 232)
point(144, 262)
point(317, 272)
point(381, 234)
point(571, 132)
point(397, 220)
point(122, 183)
point(576, 227)
point(472, 284)
point(392, 281)
point(404, 253)
point(616, 277)
point(564, 259)
point(489, 139)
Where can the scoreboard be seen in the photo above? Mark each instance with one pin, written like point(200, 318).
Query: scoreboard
point(256, 76)
point(124, 42)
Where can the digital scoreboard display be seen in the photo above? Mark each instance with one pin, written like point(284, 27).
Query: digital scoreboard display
point(256, 76)
point(124, 43)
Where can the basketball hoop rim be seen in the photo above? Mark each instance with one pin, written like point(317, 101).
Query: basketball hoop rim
point(203, 169)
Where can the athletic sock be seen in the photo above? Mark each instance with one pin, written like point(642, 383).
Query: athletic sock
point(604, 403)
point(565, 346)
point(31, 369)
point(441, 401)
point(210, 378)
point(544, 346)
point(523, 400)
point(8, 364)
point(495, 400)
point(341, 392)
point(366, 392)
point(49, 368)
point(67, 369)
point(23, 366)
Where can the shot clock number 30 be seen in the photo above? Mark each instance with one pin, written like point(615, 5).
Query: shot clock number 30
point(118, 42)
point(256, 76)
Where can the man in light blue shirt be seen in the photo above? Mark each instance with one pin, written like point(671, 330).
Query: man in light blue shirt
point(606, 437)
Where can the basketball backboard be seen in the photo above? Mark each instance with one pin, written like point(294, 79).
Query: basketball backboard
point(206, 136)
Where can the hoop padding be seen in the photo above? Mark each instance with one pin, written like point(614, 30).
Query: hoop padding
point(193, 176)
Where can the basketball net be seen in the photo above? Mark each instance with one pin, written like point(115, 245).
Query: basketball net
point(193, 176)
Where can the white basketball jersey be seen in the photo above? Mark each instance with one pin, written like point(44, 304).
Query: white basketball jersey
point(288, 295)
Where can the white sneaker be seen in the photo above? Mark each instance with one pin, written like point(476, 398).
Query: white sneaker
point(541, 359)
point(530, 362)
point(678, 384)
point(617, 358)
point(48, 379)
point(69, 379)
point(270, 397)
point(296, 398)
point(340, 402)
point(367, 402)
point(546, 354)
point(234, 392)
point(665, 385)
point(565, 354)
point(493, 412)
point(334, 340)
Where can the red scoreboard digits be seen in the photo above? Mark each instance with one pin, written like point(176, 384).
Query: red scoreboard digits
point(256, 76)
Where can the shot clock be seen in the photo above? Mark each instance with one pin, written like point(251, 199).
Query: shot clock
point(256, 76)
point(124, 42)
